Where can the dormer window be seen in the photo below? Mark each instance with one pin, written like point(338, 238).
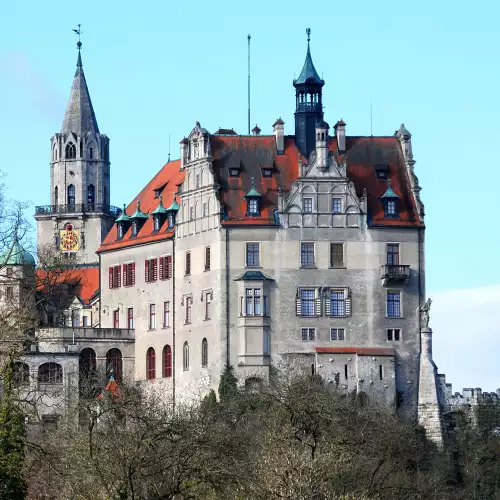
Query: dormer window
point(171, 220)
point(234, 172)
point(120, 231)
point(138, 219)
point(172, 212)
point(135, 228)
point(122, 223)
point(156, 223)
point(253, 200)
point(267, 172)
point(157, 193)
point(390, 201)
point(381, 170)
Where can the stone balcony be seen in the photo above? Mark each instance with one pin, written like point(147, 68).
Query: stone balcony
point(77, 208)
point(395, 274)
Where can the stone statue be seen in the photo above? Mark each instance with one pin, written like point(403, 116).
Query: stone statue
point(424, 314)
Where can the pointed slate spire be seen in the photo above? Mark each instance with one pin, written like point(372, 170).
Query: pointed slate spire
point(79, 117)
point(308, 73)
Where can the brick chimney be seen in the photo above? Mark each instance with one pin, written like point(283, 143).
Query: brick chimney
point(279, 134)
point(340, 133)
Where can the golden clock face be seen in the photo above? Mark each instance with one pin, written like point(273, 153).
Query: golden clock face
point(69, 240)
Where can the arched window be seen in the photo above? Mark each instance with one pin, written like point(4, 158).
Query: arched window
point(114, 364)
point(70, 151)
point(185, 356)
point(204, 352)
point(150, 364)
point(21, 374)
point(56, 196)
point(50, 373)
point(167, 361)
point(87, 362)
point(92, 151)
point(71, 194)
point(91, 194)
point(322, 136)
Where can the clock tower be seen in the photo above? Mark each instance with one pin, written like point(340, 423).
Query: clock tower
point(79, 215)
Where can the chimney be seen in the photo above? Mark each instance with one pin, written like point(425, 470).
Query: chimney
point(340, 133)
point(184, 152)
point(279, 134)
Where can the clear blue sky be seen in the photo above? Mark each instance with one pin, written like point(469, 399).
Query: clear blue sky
point(154, 68)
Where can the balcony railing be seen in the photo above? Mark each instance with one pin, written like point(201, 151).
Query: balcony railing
point(394, 273)
point(309, 106)
point(79, 208)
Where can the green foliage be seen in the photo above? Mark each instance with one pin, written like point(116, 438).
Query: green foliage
point(228, 387)
point(209, 402)
point(12, 441)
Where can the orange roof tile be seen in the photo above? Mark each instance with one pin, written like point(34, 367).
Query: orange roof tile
point(360, 351)
point(85, 280)
point(249, 154)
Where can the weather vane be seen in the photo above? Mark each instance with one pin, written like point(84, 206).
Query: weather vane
point(308, 31)
point(78, 32)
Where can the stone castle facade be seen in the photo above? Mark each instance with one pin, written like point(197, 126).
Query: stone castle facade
point(302, 249)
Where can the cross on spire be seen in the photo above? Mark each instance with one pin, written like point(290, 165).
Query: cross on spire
point(78, 32)
point(308, 32)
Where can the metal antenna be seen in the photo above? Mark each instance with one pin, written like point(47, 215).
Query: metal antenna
point(371, 119)
point(249, 84)
point(168, 161)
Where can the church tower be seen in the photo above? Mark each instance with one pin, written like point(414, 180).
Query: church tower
point(309, 106)
point(79, 215)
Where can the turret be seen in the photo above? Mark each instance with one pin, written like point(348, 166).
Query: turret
point(322, 129)
point(308, 106)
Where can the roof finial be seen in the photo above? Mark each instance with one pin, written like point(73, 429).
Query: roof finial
point(308, 31)
point(79, 45)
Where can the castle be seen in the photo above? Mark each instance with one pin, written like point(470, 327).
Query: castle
point(302, 249)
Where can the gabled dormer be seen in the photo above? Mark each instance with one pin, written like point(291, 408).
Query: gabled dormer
point(172, 212)
point(390, 201)
point(159, 216)
point(138, 219)
point(122, 223)
point(253, 198)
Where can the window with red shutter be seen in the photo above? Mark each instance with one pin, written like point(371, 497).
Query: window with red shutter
point(162, 267)
point(207, 258)
point(188, 263)
point(155, 268)
point(110, 277)
point(133, 273)
point(146, 271)
point(125, 280)
point(118, 276)
point(150, 364)
point(167, 361)
point(168, 265)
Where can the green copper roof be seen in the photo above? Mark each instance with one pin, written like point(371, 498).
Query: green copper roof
point(389, 193)
point(160, 209)
point(138, 214)
point(253, 193)
point(174, 206)
point(254, 276)
point(123, 216)
point(308, 73)
point(16, 255)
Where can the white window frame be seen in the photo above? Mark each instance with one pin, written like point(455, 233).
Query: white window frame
point(259, 264)
point(152, 318)
point(337, 339)
point(393, 340)
point(314, 264)
point(166, 314)
point(308, 328)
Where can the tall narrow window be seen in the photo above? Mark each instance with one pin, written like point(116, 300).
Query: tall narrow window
point(208, 305)
point(167, 361)
point(116, 318)
point(129, 274)
point(185, 356)
point(307, 254)
point(130, 318)
point(336, 255)
point(204, 209)
point(91, 153)
point(166, 314)
point(189, 306)
point(56, 196)
point(197, 181)
point(75, 317)
point(393, 254)
point(114, 364)
point(253, 255)
point(70, 151)
point(71, 195)
point(150, 364)
point(393, 304)
point(307, 302)
point(152, 316)
point(253, 206)
point(204, 353)
point(308, 205)
point(91, 194)
point(151, 270)
point(337, 303)
point(187, 269)
point(207, 258)
point(166, 267)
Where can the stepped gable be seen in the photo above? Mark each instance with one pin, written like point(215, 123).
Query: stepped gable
point(168, 178)
point(84, 279)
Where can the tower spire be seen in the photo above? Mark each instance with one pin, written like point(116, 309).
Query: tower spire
point(79, 117)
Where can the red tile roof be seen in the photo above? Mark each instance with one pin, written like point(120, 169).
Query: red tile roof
point(249, 154)
point(85, 281)
point(169, 176)
point(360, 351)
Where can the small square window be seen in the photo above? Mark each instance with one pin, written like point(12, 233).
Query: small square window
point(381, 174)
point(234, 172)
point(394, 334)
point(336, 205)
point(267, 172)
point(391, 208)
point(308, 205)
point(337, 334)
point(308, 334)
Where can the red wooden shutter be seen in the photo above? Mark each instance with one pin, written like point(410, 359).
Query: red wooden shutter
point(162, 266)
point(125, 280)
point(155, 269)
point(146, 271)
point(169, 266)
point(110, 277)
point(118, 276)
point(133, 273)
